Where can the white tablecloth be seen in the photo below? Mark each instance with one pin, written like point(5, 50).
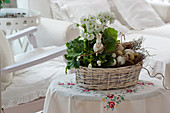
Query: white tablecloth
point(64, 96)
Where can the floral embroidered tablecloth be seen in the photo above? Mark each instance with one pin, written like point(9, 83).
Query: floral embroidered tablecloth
point(111, 99)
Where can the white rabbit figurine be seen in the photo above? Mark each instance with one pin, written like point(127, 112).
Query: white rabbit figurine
point(98, 45)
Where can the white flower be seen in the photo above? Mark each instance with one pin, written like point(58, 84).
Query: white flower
point(99, 16)
point(90, 65)
point(91, 18)
point(99, 62)
point(112, 18)
point(98, 27)
point(85, 35)
point(90, 23)
point(91, 37)
point(83, 20)
point(90, 29)
point(105, 17)
point(75, 25)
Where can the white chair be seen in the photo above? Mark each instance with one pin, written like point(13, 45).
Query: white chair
point(25, 78)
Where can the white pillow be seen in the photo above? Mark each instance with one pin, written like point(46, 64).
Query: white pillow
point(118, 15)
point(76, 11)
point(138, 13)
point(6, 58)
point(72, 10)
point(163, 9)
point(119, 27)
point(59, 12)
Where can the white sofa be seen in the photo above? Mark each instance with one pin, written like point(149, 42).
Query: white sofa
point(55, 32)
point(50, 32)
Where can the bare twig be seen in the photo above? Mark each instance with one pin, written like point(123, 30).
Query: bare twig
point(155, 76)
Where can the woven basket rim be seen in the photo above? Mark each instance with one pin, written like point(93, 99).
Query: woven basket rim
point(139, 63)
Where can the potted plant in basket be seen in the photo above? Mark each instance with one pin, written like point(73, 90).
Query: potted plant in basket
point(100, 59)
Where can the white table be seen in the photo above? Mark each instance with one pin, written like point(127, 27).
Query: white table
point(64, 96)
point(18, 22)
point(30, 18)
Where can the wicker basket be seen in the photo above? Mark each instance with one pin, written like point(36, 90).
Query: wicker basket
point(108, 78)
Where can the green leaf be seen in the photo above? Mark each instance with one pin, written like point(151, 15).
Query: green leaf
point(75, 47)
point(109, 62)
point(6, 1)
point(71, 63)
point(122, 98)
point(110, 38)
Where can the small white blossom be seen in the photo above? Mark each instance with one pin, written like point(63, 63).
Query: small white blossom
point(112, 18)
point(91, 18)
point(99, 62)
point(83, 20)
point(99, 16)
point(85, 35)
point(75, 25)
point(98, 27)
point(90, 29)
point(90, 65)
point(90, 23)
point(91, 37)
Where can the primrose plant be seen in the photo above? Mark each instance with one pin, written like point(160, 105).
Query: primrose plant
point(94, 47)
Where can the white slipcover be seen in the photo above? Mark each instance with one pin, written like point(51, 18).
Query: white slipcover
point(6, 58)
point(31, 83)
point(138, 14)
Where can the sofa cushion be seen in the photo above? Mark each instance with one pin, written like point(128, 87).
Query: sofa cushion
point(163, 9)
point(32, 83)
point(138, 13)
point(117, 14)
point(54, 32)
point(74, 9)
point(6, 58)
point(119, 27)
point(58, 12)
point(77, 10)
point(162, 31)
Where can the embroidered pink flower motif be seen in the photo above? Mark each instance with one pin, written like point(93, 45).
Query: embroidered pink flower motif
point(129, 90)
point(60, 83)
point(149, 83)
point(140, 83)
point(110, 95)
point(85, 90)
point(71, 84)
point(111, 104)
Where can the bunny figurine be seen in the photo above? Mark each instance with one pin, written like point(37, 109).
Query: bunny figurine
point(98, 45)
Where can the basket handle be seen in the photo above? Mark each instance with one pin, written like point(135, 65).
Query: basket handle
point(163, 82)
